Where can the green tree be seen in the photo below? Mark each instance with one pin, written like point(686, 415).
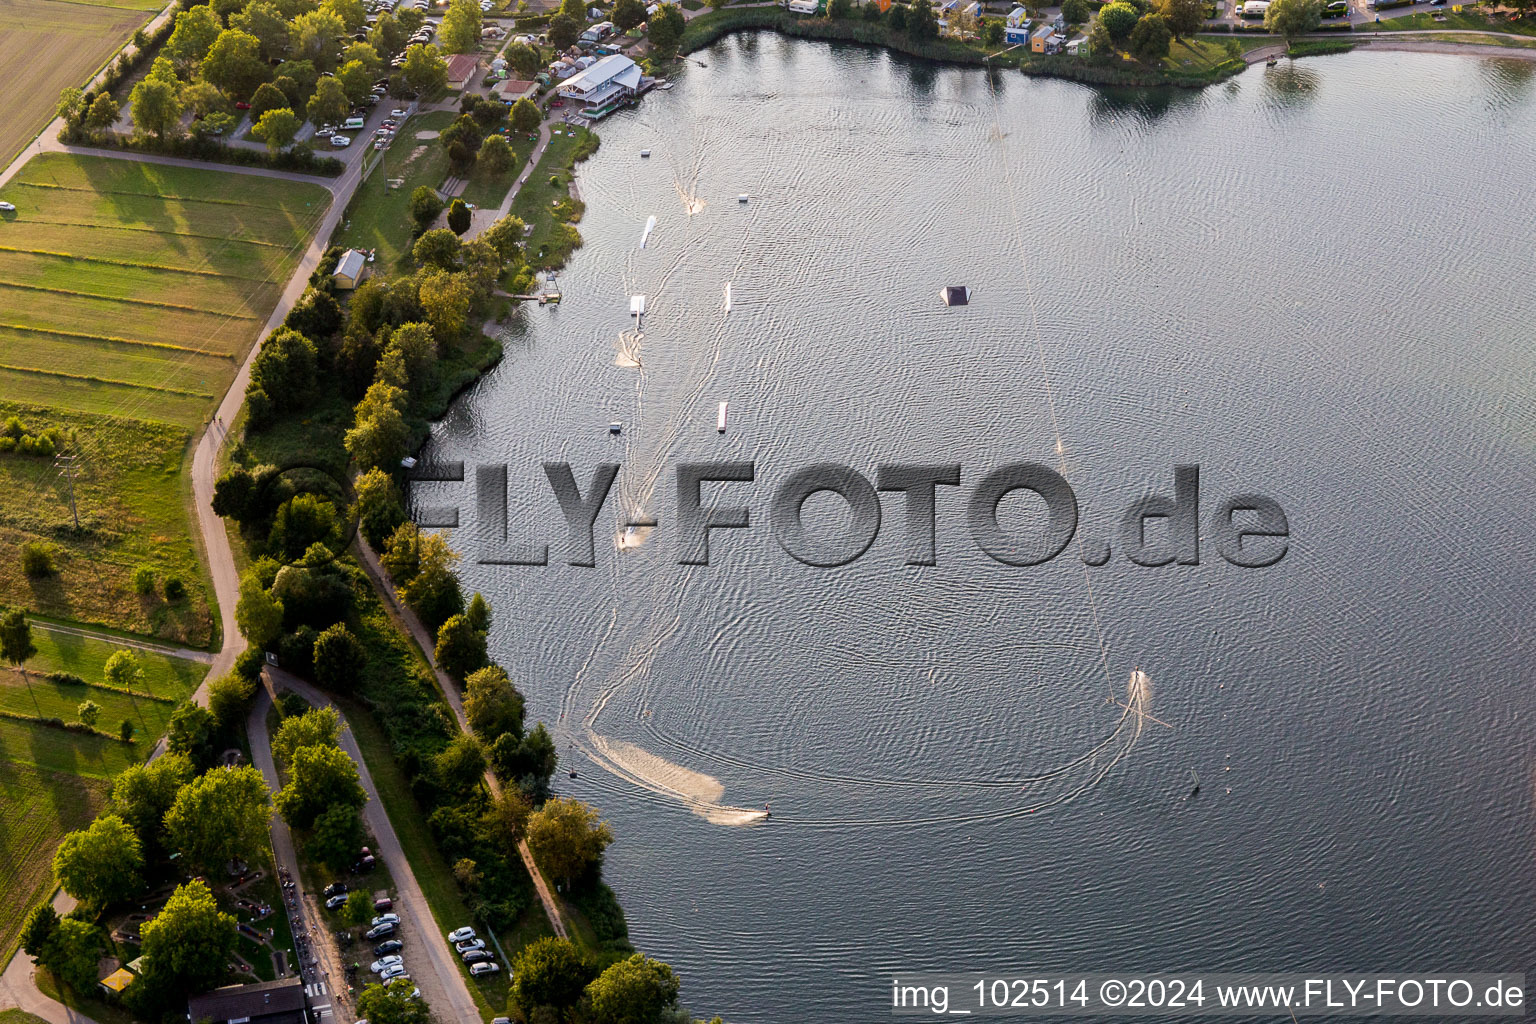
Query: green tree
point(526, 116)
point(549, 972)
point(351, 12)
point(922, 23)
point(264, 21)
point(492, 704)
point(1150, 38)
point(317, 727)
point(73, 952)
point(301, 521)
point(460, 647)
point(425, 206)
point(220, 816)
point(896, 17)
point(460, 30)
point(495, 157)
point(563, 31)
point(265, 99)
point(392, 1004)
point(1098, 40)
point(16, 645)
point(638, 990)
point(192, 38)
point(529, 761)
point(479, 613)
point(1292, 18)
point(339, 658)
point(329, 104)
point(313, 36)
point(506, 237)
point(840, 9)
point(458, 212)
point(1119, 19)
point(387, 35)
point(71, 105)
point(666, 29)
point(433, 591)
point(568, 838)
point(460, 764)
point(103, 113)
point(445, 299)
point(42, 924)
point(142, 793)
point(1184, 17)
point(190, 941)
point(191, 731)
point(156, 108)
point(438, 247)
point(102, 863)
point(229, 698)
point(336, 837)
point(358, 909)
point(626, 15)
point(379, 433)
point(424, 69)
point(356, 81)
point(211, 126)
point(378, 509)
point(991, 32)
point(576, 9)
point(88, 712)
point(122, 671)
point(234, 63)
point(1077, 12)
point(258, 614)
point(277, 129)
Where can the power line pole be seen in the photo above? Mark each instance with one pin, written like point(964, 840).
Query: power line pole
point(66, 467)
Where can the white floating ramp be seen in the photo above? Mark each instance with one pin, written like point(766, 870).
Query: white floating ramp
point(636, 305)
point(720, 417)
point(955, 295)
point(650, 225)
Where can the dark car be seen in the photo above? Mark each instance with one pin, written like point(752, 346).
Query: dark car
point(477, 955)
point(335, 889)
point(380, 931)
point(386, 948)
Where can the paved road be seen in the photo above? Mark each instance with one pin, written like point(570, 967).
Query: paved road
point(431, 963)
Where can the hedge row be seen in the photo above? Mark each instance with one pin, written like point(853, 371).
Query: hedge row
point(298, 159)
point(70, 679)
point(59, 723)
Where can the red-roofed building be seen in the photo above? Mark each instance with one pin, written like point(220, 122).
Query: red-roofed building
point(460, 67)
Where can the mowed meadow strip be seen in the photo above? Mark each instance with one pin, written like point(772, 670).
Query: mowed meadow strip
point(37, 807)
point(132, 289)
point(47, 46)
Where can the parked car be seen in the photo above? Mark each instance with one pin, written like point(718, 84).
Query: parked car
point(336, 902)
point(465, 945)
point(501, 1020)
point(384, 963)
point(394, 973)
point(242, 105)
point(392, 946)
point(386, 919)
point(476, 956)
point(340, 141)
point(485, 967)
point(325, 131)
point(335, 889)
point(8, 207)
point(379, 931)
point(398, 112)
point(461, 934)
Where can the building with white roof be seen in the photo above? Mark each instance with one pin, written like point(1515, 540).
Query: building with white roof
point(611, 79)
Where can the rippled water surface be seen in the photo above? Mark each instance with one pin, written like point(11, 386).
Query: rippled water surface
point(1313, 281)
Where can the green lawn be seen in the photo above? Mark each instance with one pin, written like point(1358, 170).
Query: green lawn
point(134, 507)
point(553, 235)
point(1468, 19)
point(487, 190)
point(379, 216)
point(134, 290)
point(37, 807)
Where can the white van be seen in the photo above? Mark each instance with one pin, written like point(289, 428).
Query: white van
point(352, 124)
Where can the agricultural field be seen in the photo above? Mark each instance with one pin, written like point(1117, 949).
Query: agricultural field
point(46, 46)
point(133, 502)
point(53, 781)
point(135, 290)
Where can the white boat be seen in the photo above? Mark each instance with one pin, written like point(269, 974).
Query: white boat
point(650, 226)
point(636, 305)
point(720, 417)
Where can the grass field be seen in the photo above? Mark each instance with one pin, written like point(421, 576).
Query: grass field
point(551, 238)
point(37, 807)
point(132, 500)
point(490, 189)
point(1470, 19)
point(379, 216)
point(46, 46)
point(135, 290)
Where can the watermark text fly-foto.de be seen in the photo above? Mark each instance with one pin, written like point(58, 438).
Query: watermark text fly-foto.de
point(1247, 529)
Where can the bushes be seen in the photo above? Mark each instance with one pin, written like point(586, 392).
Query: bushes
point(144, 581)
point(297, 158)
point(37, 559)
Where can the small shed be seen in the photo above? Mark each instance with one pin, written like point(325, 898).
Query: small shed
point(460, 67)
point(514, 89)
point(350, 269)
point(955, 295)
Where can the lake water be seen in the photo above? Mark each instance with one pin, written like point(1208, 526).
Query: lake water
point(1314, 281)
